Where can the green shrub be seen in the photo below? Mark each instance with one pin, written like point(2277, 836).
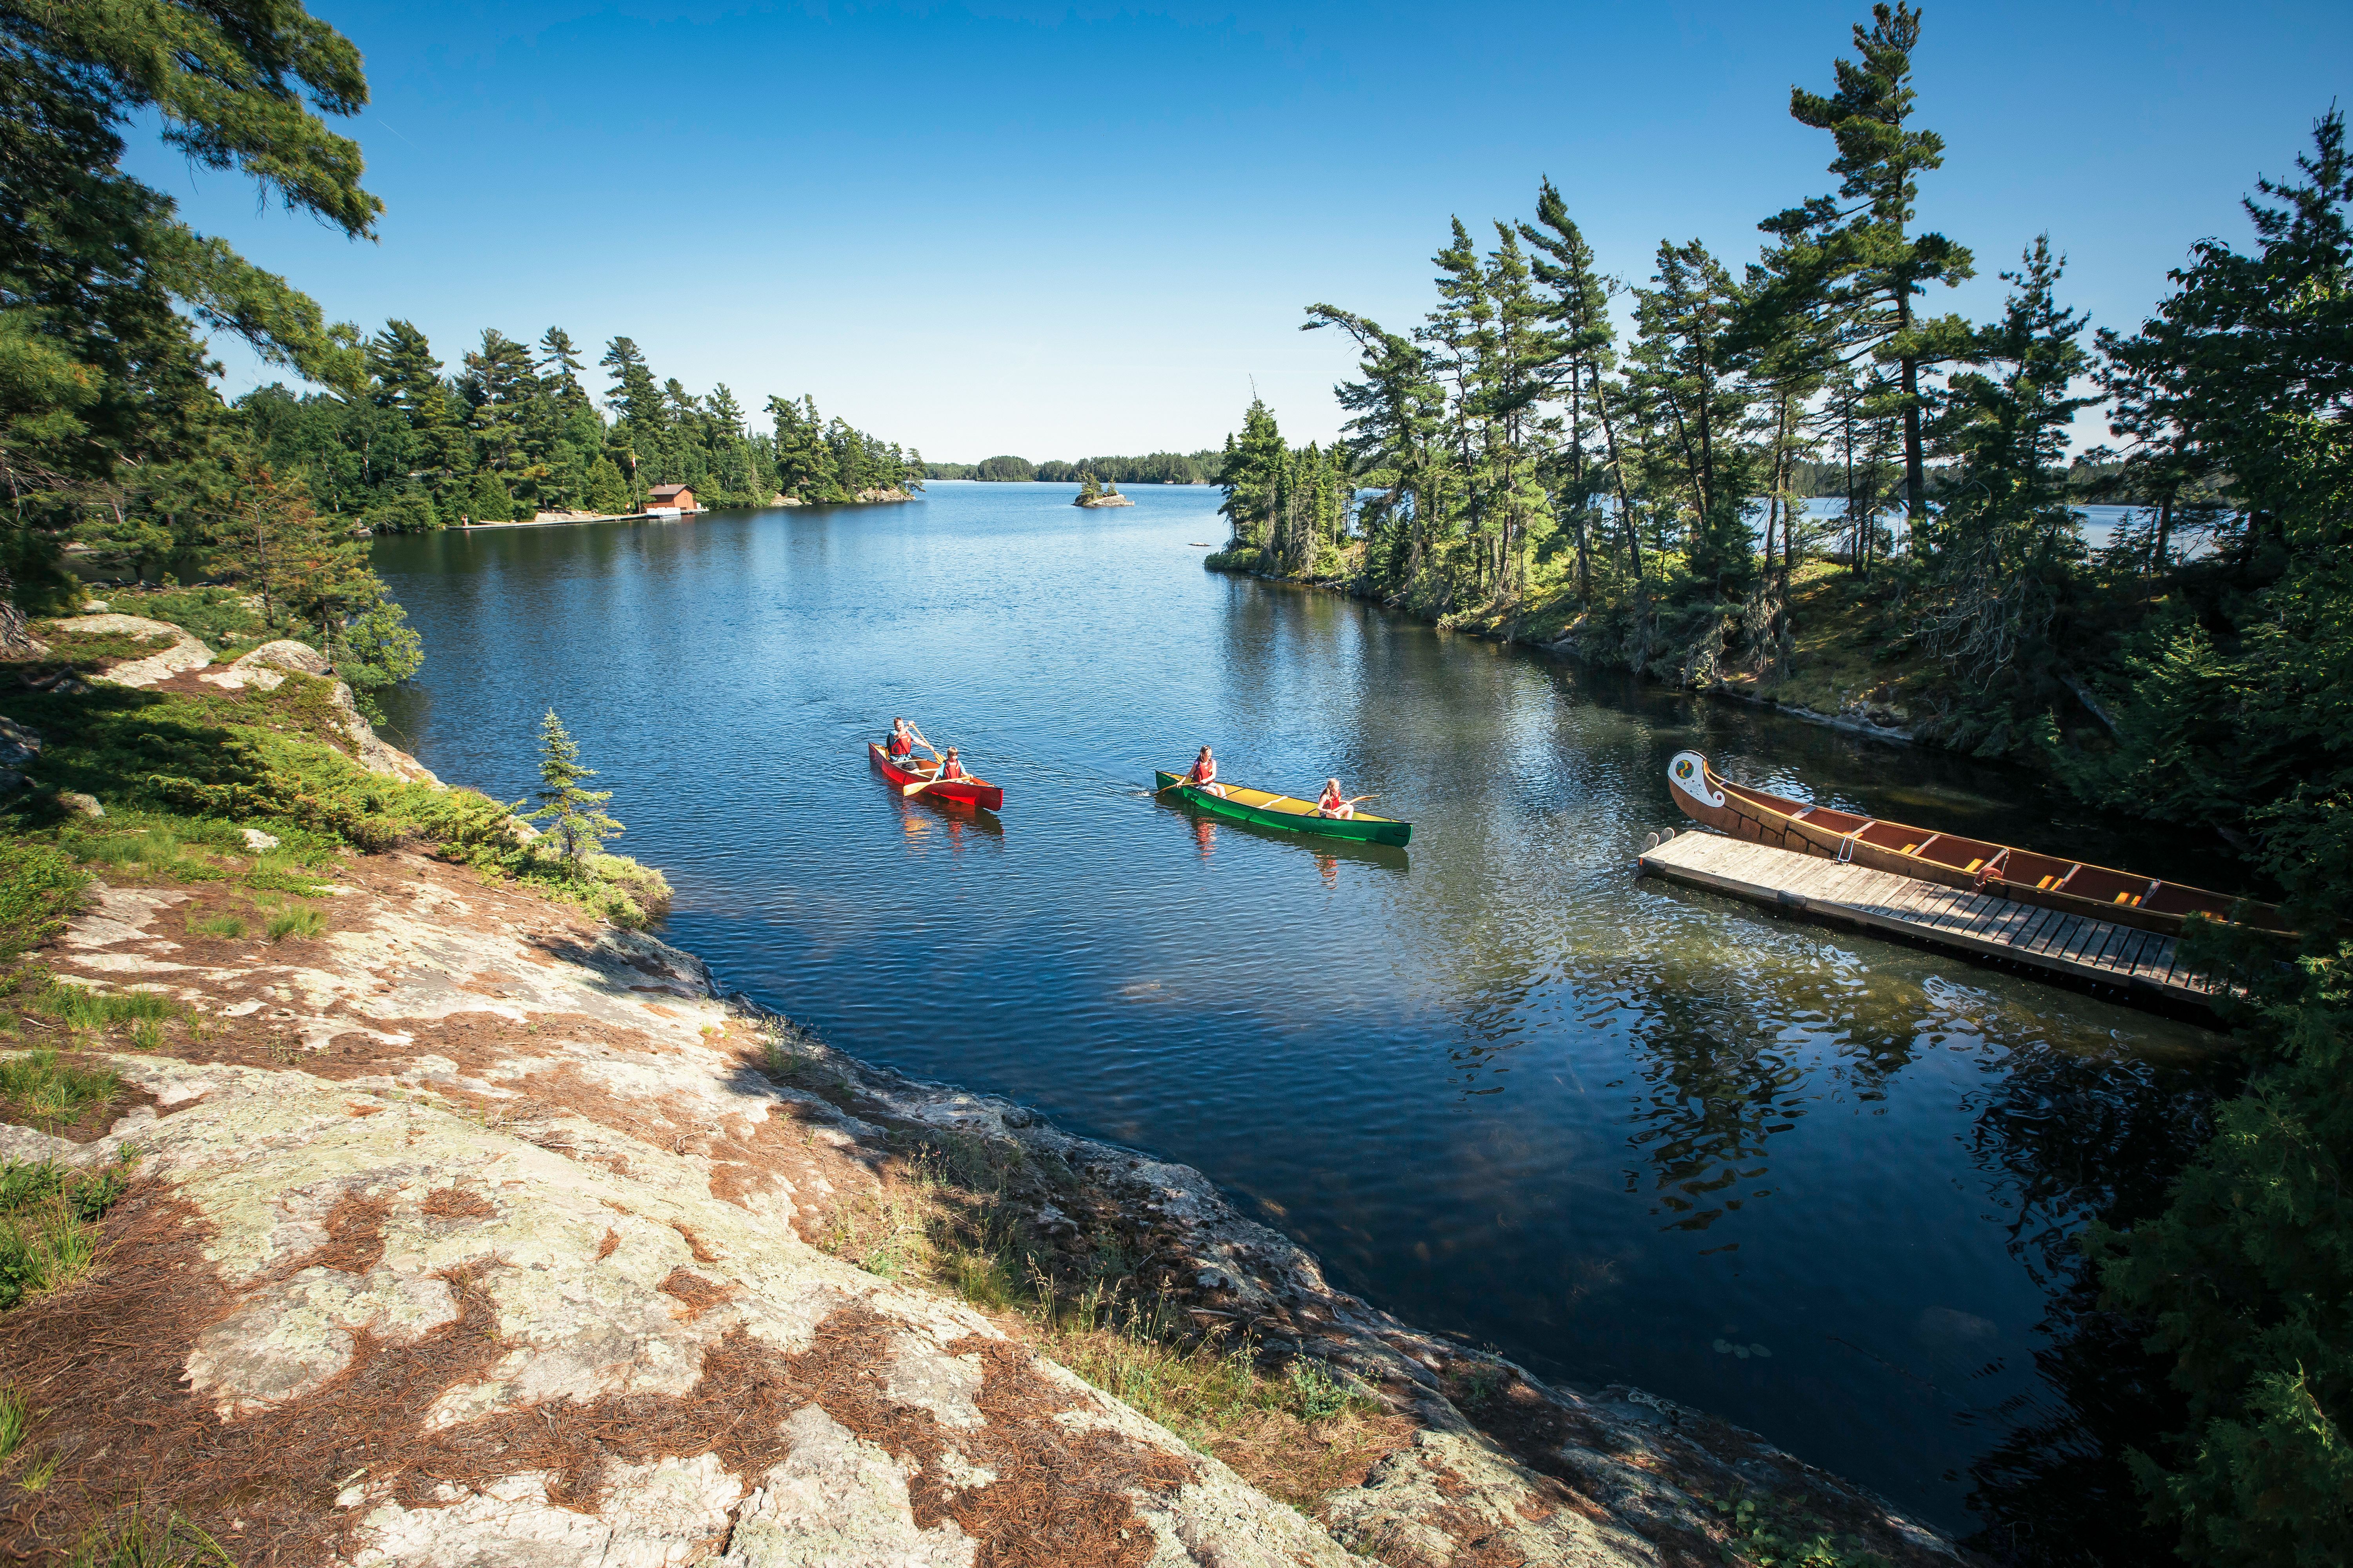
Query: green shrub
point(220, 617)
point(41, 889)
point(222, 925)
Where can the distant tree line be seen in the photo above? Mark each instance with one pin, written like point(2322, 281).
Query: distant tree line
point(1153, 468)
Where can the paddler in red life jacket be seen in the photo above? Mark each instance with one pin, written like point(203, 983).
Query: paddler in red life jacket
point(952, 769)
point(1332, 803)
point(902, 744)
point(1204, 775)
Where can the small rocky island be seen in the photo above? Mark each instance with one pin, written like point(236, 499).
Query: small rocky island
point(1095, 492)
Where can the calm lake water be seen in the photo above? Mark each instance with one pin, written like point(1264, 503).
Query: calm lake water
point(1821, 1185)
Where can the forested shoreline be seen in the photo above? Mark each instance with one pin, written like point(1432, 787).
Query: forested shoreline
point(514, 433)
point(1513, 465)
point(1152, 469)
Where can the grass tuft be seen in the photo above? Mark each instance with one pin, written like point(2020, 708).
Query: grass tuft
point(16, 1420)
point(39, 1090)
point(140, 1539)
point(303, 921)
point(224, 925)
point(48, 1215)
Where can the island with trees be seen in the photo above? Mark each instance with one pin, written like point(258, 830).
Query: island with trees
point(1095, 492)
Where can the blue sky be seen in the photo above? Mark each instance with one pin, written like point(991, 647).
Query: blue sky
point(1059, 230)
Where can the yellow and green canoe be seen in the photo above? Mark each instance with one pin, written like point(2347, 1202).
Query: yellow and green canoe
point(1264, 808)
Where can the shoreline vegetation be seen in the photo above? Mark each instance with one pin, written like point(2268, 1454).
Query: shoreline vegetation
point(242, 951)
point(1512, 466)
point(1154, 468)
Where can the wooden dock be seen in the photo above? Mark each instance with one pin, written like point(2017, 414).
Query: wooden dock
point(2144, 966)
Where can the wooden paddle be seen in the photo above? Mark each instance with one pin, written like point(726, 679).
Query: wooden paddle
point(911, 789)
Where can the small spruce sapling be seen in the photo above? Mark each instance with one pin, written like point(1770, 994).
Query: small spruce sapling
point(575, 816)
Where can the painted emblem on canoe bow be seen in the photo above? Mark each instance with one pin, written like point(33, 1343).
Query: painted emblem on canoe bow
point(1688, 773)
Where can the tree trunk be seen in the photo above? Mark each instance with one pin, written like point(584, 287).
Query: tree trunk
point(16, 636)
point(1916, 468)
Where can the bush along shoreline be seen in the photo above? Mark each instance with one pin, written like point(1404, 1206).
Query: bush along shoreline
point(303, 1051)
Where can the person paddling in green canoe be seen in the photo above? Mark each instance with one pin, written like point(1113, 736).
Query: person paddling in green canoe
point(1335, 805)
point(1204, 775)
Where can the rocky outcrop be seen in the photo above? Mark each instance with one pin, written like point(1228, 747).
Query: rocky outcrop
point(266, 667)
point(185, 652)
point(486, 1231)
point(467, 1227)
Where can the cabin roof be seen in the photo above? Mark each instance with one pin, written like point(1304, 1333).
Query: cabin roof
point(659, 490)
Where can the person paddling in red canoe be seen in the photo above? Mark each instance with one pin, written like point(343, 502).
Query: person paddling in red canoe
point(1204, 773)
point(903, 740)
point(1332, 803)
point(950, 768)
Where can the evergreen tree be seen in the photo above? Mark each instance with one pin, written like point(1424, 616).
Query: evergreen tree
point(1250, 477)
point(2008, 528)
point(500, 388)
point(575, 816)
point(559, 369)
point(1858, 246)
point(405, 379)
point(1685, 369)
point(1581, 354)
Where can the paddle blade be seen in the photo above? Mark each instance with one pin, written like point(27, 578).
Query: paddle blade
point(909, 789)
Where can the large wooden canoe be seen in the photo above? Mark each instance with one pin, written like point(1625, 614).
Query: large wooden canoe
point(2055, 881)
point(1264, 808)
point(971, 792)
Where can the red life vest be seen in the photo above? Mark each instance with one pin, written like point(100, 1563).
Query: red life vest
point(899, 745)
point(1330, 800)
point(1203, 773)
point(953, 769)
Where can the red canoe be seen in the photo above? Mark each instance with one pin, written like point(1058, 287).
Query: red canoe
point(971, 792)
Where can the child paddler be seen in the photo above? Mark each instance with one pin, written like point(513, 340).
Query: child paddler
point(1333, 805)
point(1204, 773)
point(951, 768)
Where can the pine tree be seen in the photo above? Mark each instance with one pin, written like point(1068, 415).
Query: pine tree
point(2008, 531)
point(408, 381)
point(575, 817)
point(1581, 353)
point(1249, 478)
point(1862, 253)
point(559, 369)
point(1685, 367)
point(499, 387)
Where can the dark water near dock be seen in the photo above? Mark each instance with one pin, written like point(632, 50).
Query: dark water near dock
point(1821, 1185)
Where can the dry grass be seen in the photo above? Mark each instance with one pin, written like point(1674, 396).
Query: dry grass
point(944, 1216)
